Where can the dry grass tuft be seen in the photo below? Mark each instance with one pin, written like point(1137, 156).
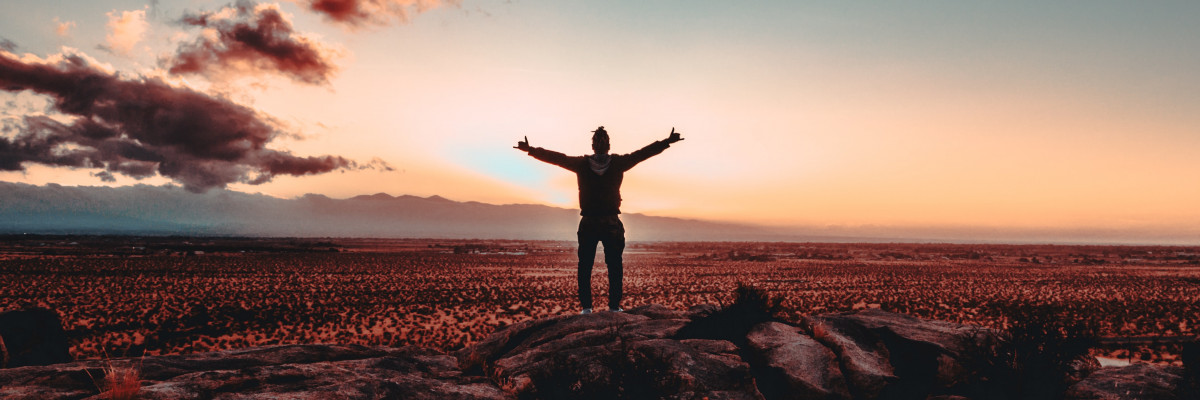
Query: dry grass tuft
point(122, 380)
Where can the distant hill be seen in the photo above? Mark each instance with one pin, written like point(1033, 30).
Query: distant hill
point(170, 210)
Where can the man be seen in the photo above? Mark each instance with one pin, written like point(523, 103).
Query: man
point(599, 176)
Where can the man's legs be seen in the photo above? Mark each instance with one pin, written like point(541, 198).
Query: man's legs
point(613, 247)
point(587, 256)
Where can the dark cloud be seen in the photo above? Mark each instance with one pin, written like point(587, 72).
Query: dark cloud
point(250, 38)
point(356, 13)
point(142, 126)
point(379, 164)
point(7, 45)
point(105, 176)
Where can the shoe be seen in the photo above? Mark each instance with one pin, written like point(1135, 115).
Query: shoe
point(586, 311)
point(619, 309)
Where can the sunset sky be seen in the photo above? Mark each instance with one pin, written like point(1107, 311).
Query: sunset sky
point(1071, 115)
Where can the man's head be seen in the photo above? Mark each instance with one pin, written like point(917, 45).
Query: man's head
point(600, 141)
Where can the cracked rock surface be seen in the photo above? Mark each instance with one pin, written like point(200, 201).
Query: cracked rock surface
point(645, 353)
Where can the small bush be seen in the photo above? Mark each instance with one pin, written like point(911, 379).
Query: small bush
point(1045, 350)
point(1191, 370)
point(751, 306)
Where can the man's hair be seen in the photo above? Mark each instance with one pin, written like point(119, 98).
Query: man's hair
point(599, 133)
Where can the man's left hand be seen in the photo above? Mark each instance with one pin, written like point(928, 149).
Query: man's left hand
point(674, 136)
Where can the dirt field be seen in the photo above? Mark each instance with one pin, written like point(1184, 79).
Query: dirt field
point(125, 296)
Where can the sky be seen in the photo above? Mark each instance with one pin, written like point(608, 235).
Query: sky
point(969, 116)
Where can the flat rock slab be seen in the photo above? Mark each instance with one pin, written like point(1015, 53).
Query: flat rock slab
point(288, 371)
point(1134, 382)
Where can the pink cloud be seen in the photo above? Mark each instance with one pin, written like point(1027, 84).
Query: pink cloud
point(125, 29)
point(357, 13)
point(63, 28)
point(251, 39)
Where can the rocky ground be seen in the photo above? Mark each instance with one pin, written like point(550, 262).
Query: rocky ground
point(648, 352)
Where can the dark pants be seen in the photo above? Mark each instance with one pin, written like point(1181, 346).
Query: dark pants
point(611, 232)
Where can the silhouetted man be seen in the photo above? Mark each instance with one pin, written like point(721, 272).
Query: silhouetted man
point(599, 176)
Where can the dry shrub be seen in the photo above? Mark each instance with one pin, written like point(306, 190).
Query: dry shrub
point(751, 306)
point(1045, 348)
point(122, 380)
point(1191, 369)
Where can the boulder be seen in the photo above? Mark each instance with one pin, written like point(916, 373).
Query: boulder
point(795, 366)
point(32, 337)
point(863, 357)
point(893, 355)
point(607, 355)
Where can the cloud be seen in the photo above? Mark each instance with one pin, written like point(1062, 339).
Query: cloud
point(63, 28)
point(105, 176)
point(249, 38)
point(140, 126)
point(7, 45)
point(125, 29)
point(357, 13)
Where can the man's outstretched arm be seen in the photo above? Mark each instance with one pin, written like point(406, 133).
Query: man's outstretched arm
point(549, 156)
point(652, 149)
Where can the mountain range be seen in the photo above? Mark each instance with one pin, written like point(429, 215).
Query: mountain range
point(171, 210)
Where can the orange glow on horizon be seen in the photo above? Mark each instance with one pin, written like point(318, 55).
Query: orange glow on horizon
point(792, 113)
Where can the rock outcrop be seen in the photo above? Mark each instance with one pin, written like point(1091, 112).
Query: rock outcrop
point(289, 371)
point(32, 337)
point(612, 355)
point(648, 352)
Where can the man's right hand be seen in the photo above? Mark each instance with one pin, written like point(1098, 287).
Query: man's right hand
point(523, 145)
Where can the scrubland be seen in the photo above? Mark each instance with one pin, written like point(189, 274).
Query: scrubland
point(132, 296)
